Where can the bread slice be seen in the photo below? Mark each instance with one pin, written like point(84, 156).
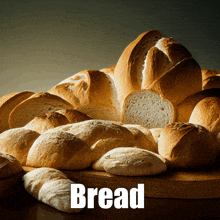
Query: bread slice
point(36, 105)
point(147, 108)
point(7, 104)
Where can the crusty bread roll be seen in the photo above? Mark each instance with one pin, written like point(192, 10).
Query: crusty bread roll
point(36, 105)
point(131, 162)
point(17, 142)
point(161, 58)
point(47, 121)
point(74, 116)
point(185, 108)
point(185, 145)
point(109, 70)
point(211, 82)
point(146, 108)
point(206, 73)
point(128, 70)
point(9, 165)
point(143, 136)
point(60, 150)
point(90, 92)
point(181, 81)
point(7, 104)
point(207, 114)
point(51, 187)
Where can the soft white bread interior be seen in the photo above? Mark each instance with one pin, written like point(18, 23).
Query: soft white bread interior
point(131, 162)
point(186, 145)
point(17, 142)
point(9, 165)
point(7, 104)
point(147, 108)
point(51, 187)
point(36, 105)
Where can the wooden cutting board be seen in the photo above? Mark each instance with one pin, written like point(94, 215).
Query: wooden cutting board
point(203, 184)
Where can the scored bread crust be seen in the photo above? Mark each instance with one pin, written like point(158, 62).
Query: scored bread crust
point(147, 108)
point(7, 104)
point(181, 81)
point(36, 105)
point(128, 70)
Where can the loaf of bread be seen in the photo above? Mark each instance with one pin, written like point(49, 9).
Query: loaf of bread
point(9, 165)
point(90, 92)
point(147, 108)
point(36, 105)
point(7, 104)
point(131, 162)
point(156, 133)
point(210, 79)
point(187, 146)
point(17, 142)
point(207, 114)
point(109, 70)
point(185, 108)
point(51, 187)
point(47, 121)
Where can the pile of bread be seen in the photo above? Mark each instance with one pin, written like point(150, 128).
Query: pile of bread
point(155, 109)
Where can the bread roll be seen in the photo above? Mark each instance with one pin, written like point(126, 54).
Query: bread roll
point(9, 165)
point(187, 146)
point(51, 187)
point(131, 162)
point(36, 105)
point(211, 82)
point(90, 92)
point(207, 114)
point(185, 108)
point(128, 70)
point(145, 107)
point(7, 104)
point(74, 116)
point(206, 73)
point(47, 121)
point(17, 142)
point(143, 136)
point(60, 150)
point(181, 81)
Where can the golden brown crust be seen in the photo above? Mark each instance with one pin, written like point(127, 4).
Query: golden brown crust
point(36, 105)
point(109, 70)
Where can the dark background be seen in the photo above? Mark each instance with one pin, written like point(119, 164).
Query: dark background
point(44, 42)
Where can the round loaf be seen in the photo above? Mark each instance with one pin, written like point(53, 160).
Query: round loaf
point(131, 162)
point(9, 165)
point(59, 150)
point(17, 142)
point(207, 114)
point(7, 104)
point(185, 145)
point(36, 105)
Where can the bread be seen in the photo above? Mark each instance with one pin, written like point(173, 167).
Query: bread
point(147, 108)
point(90, 92)
point(156, 133)
point(9, 165)
point(7, 104)
point(109, 70)
point(181, 81)
point(143, 136)
point(47, 121)
point(210, 79)
point(51, 187)
point(59, 150)
point(206, 73)
point(74, 116)
point(207, 114)
point(128, 70)
point(185, 108)
point(131, 162)
point(161, 58)
point(36, 105)
point(17, 142)
point(187, 146)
